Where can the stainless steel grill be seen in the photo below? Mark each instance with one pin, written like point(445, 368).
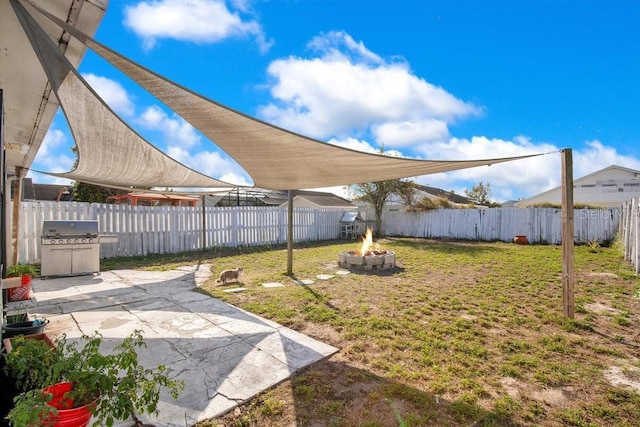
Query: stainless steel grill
point(69, 248)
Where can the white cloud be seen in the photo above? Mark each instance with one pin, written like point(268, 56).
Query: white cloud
point(198, 21)
point(520, 178)
point(52, 155)
point(53, 140)
point(364, 146)
point(408, 133)
point(358, 100)
point(354, 144)
point(235, 178)
point(51, 158)
point(176, 131)
point(348, 89)
point(211, 164)
point(112, 93)
point(597, 156)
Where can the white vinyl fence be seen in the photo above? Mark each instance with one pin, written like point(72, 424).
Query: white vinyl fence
point(629, 233)
point(540, 225)
point(142, 230)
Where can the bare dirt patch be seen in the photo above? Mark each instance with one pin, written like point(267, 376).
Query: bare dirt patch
point(629, 377)
point(601, 308)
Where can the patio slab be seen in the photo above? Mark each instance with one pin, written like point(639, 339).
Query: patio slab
point(225, 355)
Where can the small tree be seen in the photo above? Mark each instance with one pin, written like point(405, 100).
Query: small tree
point(83, 192)
point(481, 194)
point(377, 193)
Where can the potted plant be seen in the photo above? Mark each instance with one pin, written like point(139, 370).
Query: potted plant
point(25, 272)
point(26, 327)
point(18, 323)
point(108, 387)
point(18, 314)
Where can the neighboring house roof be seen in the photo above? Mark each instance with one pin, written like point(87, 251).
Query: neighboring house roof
point(449, 195)
point(606, 187)
point(155, 198)
point(320, 199)
point(323, 199)
point(59, 193)
point(509, 204)
point(45, 192)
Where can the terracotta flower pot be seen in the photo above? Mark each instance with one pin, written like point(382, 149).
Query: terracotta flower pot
point(8, 342)
point(521, 240)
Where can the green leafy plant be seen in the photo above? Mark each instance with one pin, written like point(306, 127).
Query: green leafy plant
point(29, 363)
point(19, 270)
point(116, 384)
point(19, 314)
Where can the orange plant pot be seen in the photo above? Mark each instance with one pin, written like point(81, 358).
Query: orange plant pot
point(20, 293)
point(521, 240)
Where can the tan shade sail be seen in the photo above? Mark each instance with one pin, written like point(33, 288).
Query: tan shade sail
point(274, 157)
point(110, 153)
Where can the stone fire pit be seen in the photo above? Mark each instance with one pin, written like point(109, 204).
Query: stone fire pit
point(373, 260)
point(369, 257)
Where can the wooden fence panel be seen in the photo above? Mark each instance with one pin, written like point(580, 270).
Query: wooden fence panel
point(629, 232)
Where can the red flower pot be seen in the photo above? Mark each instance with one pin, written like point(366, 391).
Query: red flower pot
point(67, 416)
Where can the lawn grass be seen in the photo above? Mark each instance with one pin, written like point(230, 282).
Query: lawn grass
point(460, 333)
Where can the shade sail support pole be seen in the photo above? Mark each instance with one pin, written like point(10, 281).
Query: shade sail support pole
point(567, 234)
point(290, 234)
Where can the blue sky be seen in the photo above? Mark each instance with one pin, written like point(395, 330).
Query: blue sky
point(430, 79)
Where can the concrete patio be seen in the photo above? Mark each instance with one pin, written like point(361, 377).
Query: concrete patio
point(225, 355)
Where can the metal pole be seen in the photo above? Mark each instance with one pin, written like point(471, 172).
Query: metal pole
point(15, 226)
point(290, 234)
point(567, 234)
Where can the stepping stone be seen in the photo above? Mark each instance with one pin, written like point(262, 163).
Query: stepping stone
point(324, 276)
point(233, 290)
point(272, 285)
point(305, 282)
point(343, 272)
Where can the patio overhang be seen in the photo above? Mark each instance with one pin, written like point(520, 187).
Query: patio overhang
point(29, 105)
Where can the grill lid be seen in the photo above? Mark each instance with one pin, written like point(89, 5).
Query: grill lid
point(63, 228)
